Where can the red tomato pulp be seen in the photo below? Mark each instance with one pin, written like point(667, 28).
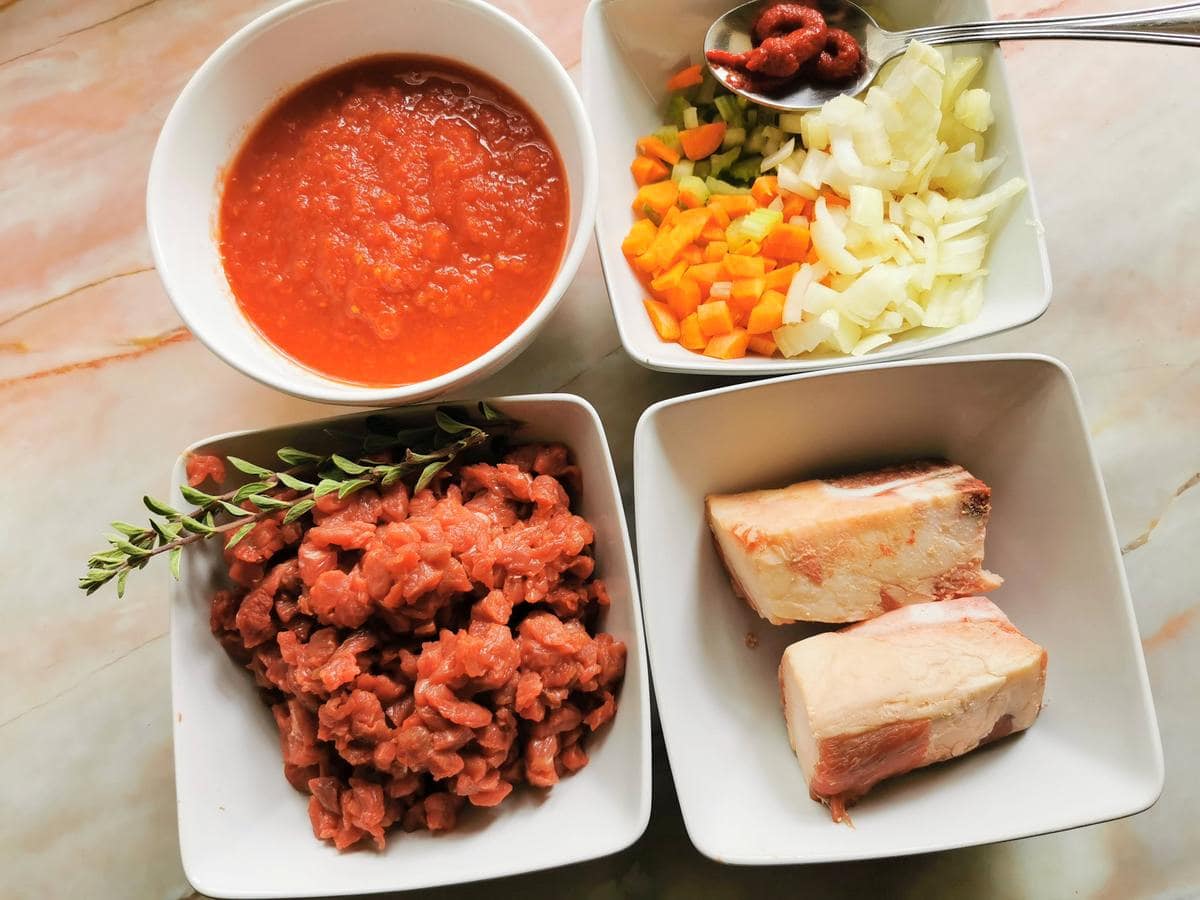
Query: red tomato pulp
point(393, 219)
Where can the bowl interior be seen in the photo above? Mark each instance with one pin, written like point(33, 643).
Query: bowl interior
point(1015, 423)
point(630, 49)
point(288, 46)
point(244, 832)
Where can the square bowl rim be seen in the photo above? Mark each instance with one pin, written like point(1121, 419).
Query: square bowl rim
point(204, 882)
point(1146, 716)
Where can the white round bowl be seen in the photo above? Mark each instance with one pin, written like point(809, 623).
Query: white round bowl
point(284, 48)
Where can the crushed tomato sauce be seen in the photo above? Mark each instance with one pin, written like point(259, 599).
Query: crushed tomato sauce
point(393, 219)
point(421, 653)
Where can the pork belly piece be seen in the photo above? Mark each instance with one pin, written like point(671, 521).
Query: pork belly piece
point(847, 549)
point(913, 687)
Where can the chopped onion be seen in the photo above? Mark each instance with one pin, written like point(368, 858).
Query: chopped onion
point(910, 248)
point(770, 162)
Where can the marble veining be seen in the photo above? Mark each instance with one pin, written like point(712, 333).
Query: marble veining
point(101, 386)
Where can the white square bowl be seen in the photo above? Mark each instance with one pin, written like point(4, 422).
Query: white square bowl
point(630, 47)
point(1015, 422)
point(244, 832)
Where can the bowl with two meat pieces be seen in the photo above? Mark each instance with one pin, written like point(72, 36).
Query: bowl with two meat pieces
point(907, 550)
point(413, 684)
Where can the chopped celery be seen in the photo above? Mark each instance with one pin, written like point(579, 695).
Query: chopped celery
point(707, 90)
point(669, 135)
point(746, 169)
point(754, 227)
point(729, 110)
point(683, 169)
point(675, 108)
point(722, 161)
point(734, 137)
point(755, 140)
point(702, 168)
point(693, 191)
point(717, 186)
point(772, 140)
point(691, 117)
point(743, 102)
point(752, 117)
point(767, 116)
point(790, 122)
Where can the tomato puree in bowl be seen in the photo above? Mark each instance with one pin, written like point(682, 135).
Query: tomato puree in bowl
point(393, 219)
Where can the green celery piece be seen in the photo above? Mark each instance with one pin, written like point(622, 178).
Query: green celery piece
point(682, 169)
point(722, 161)
point(717, 186)
point(675, 108)
point(746, 169)
point(669, 135)
point(728, 109)
point(734, 137)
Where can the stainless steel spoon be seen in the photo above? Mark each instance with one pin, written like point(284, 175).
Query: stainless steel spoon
point(1175, 24)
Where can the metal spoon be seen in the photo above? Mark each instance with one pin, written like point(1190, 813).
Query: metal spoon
point(1175, 24)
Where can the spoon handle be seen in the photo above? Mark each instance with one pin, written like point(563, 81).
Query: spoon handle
point(1175, 24)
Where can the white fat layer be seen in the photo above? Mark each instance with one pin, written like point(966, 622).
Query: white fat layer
point(812, 552)
point(961, 673)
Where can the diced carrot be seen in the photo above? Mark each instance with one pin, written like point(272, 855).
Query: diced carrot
point(689, 200)
point(715, 250)
point(703, 141)
point(732, 345)
point(692, 254)
point(653, 146)
point(781, 279)
point(744, 266)
point(715, 318)
point(765, 189)
point(767, 315)
point(832, 199)
point(750, 248)
point(694, 221)
point(746, 291)
point(678, 230)
point(686, 78)
point(720, 217)
point(713, 231)
point(812, 257)
point(663, 320)
point(659, 197)
point(684, 298)
point(787, 242)
point(705, 273)
point(670, 278)
point(793, 205)
point(762, 344)
point(640, 237)
point(647, 170)
point(690, 335)
point(734, 205)
point(769, 264)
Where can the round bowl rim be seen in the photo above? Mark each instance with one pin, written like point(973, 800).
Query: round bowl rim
point(332, 390)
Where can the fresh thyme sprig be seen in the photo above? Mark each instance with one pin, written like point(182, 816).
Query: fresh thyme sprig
point(445, 440)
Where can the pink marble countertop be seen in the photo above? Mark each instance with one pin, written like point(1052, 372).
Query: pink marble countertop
point(101, 386)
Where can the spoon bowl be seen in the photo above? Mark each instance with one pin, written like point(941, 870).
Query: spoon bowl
point(1178, 24)
point(731, 33)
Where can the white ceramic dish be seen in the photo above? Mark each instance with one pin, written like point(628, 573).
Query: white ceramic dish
point(1014, 421)
point(244, 832)
point(282, 49)
point(630, 47)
